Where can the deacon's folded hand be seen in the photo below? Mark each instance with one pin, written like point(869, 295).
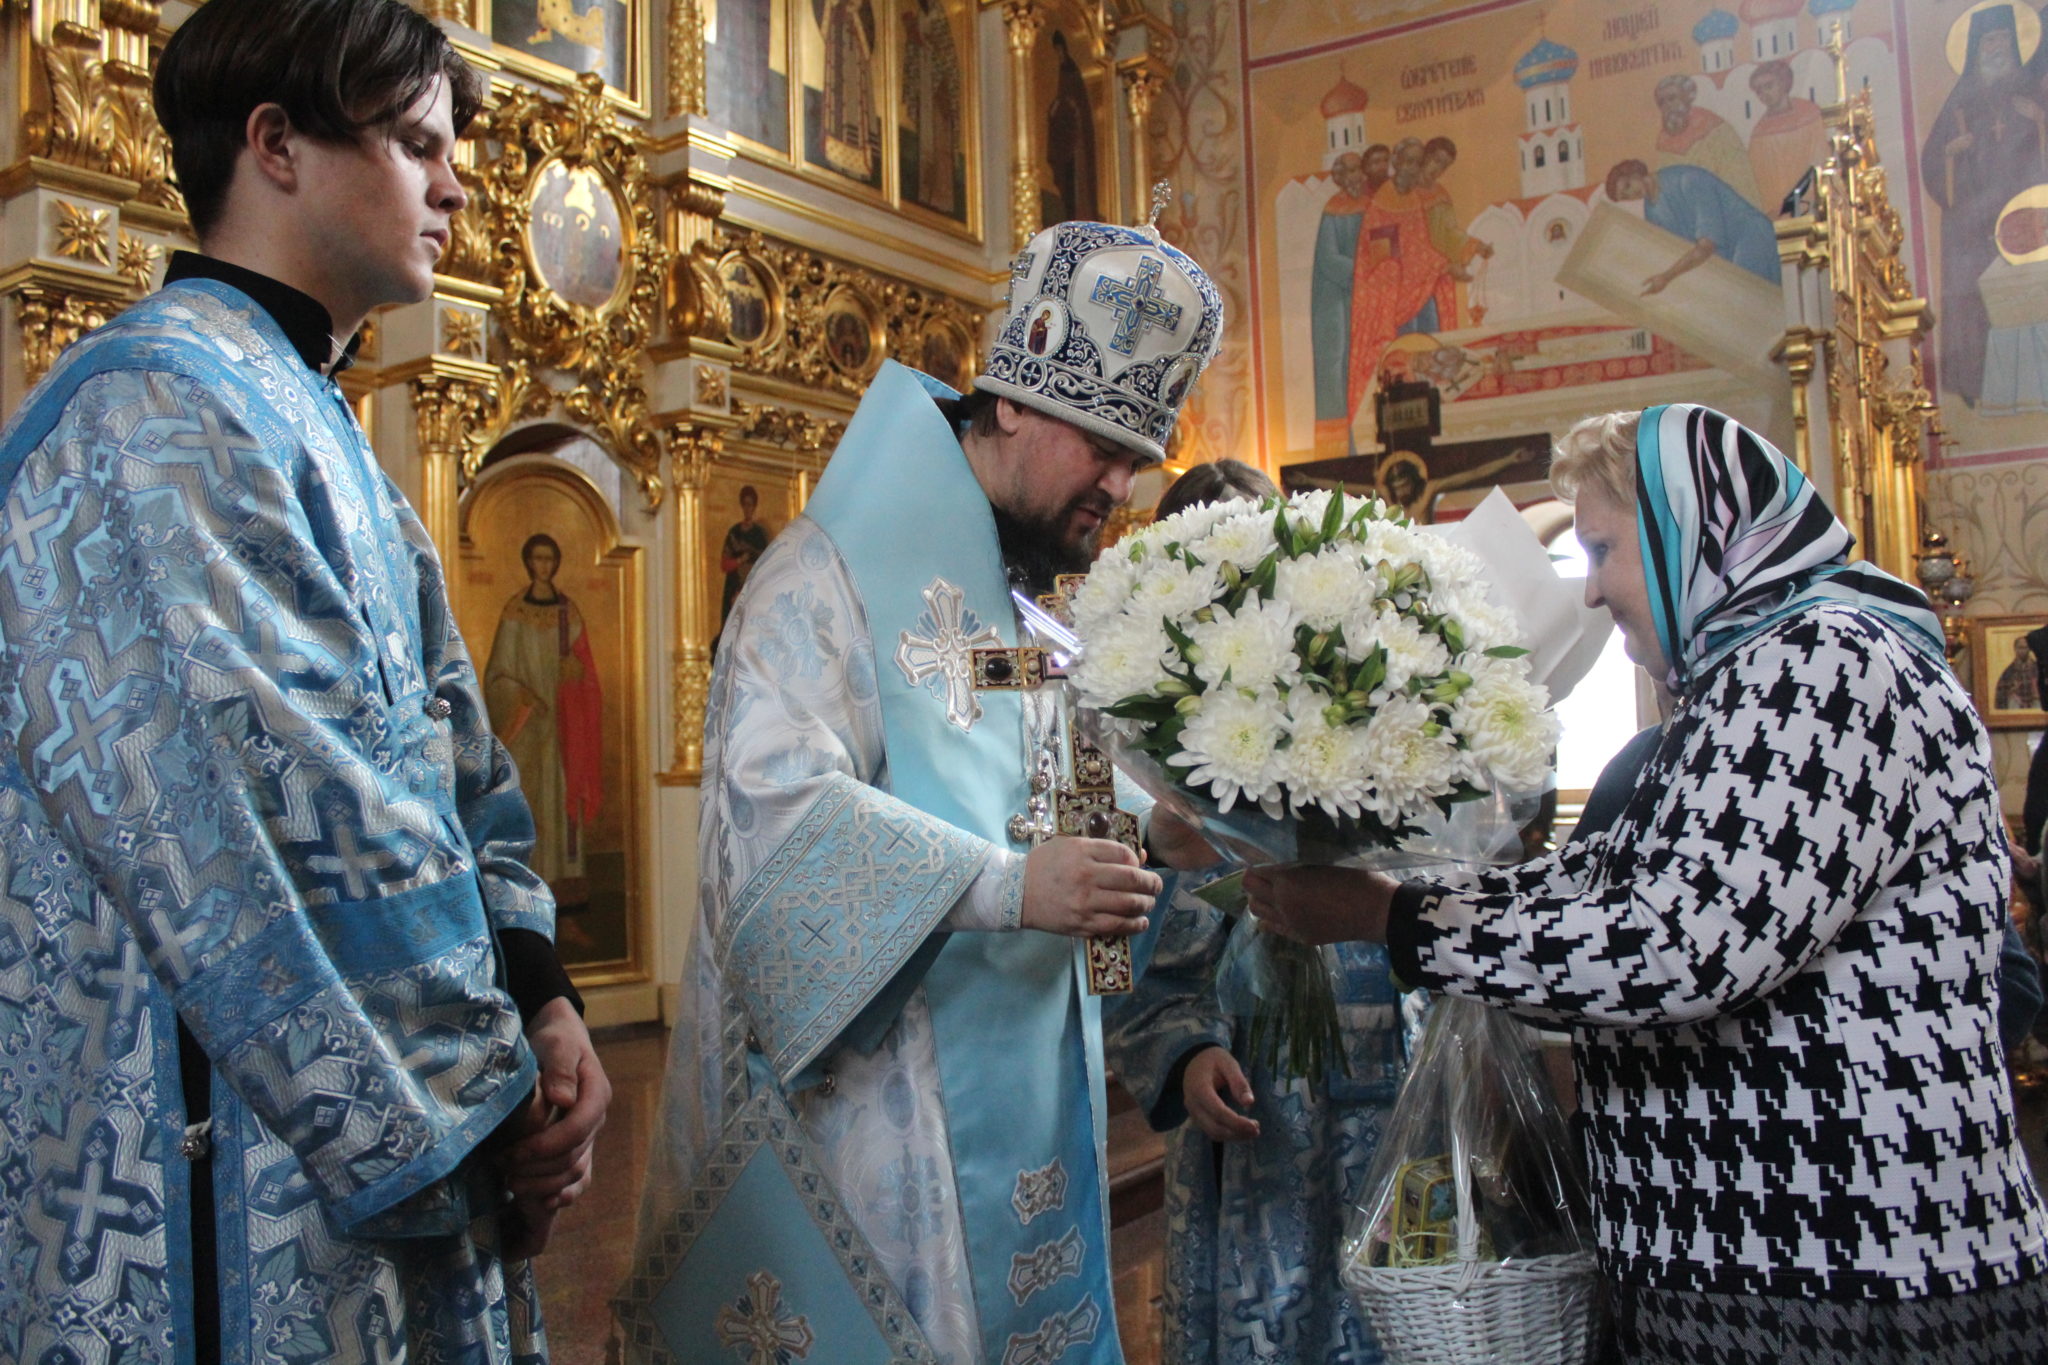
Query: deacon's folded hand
point(1322, 904)
point(1087, 888)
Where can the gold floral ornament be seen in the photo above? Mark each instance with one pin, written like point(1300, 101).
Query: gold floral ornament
point(138, 261)
point(577, 252)
point(82, 233)
point(462, 333)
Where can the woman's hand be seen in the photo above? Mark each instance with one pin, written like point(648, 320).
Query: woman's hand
point(1214, 1088)
point(1322, 904)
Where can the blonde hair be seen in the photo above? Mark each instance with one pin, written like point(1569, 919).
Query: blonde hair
point(1600, 452)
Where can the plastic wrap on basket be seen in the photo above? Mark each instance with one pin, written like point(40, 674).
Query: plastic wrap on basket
point(1470, 1243)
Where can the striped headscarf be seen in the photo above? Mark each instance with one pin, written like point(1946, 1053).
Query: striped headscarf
point(1735, 537)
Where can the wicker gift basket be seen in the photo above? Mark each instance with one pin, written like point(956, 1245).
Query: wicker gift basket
point(1469, 1243)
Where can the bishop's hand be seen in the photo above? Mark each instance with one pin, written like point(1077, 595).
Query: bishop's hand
point(1087, 888)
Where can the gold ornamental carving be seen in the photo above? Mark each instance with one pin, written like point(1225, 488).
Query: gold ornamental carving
point(462, 333)
point(138, 261)
point(713, 387)
point(686, 90)
point(82, 232)
point(577, 254)
point(90, 104)
point(791, 428)
point(470, 250)
point(51, 319)
point(805, 294)
point(697, 302)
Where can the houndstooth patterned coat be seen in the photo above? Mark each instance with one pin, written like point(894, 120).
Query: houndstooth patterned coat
point(1780, 966)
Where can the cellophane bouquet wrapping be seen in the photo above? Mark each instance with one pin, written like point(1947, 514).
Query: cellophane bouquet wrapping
point(1471, 1241)
point(1312, 679)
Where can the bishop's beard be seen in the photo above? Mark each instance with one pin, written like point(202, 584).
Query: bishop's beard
point(1035, 550)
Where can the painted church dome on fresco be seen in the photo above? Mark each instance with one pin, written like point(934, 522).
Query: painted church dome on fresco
point(1344, 98)
point(1718, 25)
point(1547, 62)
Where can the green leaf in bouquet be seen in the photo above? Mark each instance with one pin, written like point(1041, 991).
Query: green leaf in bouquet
point(1454, 634)
point(1144, 708)
point(1506, 652)
point(1333, 516)
point(1181, 640)
point(1372, 672)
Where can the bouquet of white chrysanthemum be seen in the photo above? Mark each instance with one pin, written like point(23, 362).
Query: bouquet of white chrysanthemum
point(1320, 661)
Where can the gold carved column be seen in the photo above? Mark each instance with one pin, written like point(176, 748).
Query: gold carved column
point(1023, 21)
point(1142, 84)
point(686, 59)
point(1862, 416)
point(693, 449)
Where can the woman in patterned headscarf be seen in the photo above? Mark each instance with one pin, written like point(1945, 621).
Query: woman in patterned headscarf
point(1779, 962)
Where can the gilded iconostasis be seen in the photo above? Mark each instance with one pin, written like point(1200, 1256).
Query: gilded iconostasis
point(699, 227)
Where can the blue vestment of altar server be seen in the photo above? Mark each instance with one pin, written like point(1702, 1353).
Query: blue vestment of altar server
point(883, 1123)
point(248, 782)
point(1253, 1227)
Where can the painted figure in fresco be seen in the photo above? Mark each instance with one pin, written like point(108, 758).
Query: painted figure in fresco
point(931, 108)
point(1378, 167)
point(883, 1106)
point(1790, 138)
point(2019, 683)
point(848, 95)
point(1989, 142)
point(1457, 248)
point(1330, 299)
point(1688, 135)
point(1397, 270)
point(745, 542)
point(1698, 206)
point(547, 707)
point(285, 1028)
point(1070, 138)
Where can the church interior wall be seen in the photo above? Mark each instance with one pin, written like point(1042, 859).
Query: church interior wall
point(1240, 134)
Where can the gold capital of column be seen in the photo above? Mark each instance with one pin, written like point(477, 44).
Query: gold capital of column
point(452, 419)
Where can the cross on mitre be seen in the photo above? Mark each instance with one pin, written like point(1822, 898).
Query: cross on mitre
point(1138, 304)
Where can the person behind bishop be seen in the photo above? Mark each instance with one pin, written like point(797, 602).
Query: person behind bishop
point(884, 1112)
point(285, 1025)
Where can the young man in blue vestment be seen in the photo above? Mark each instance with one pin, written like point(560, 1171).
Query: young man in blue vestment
point(289, 1070)
point(884, 1122)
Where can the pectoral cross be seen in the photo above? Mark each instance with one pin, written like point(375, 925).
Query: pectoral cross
point(1084, 806)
